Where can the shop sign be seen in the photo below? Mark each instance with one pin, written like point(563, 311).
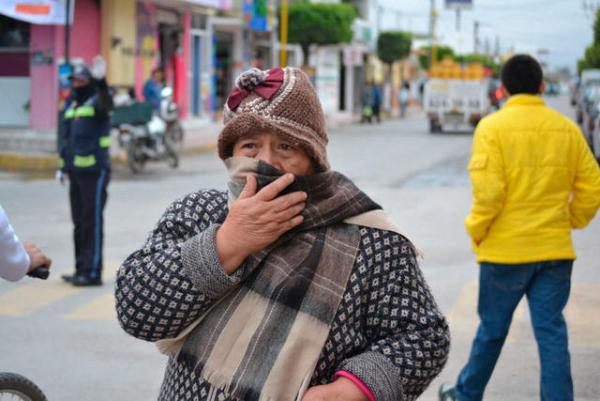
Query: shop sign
point(459, 4)
point(43, 12)
point(257, 14)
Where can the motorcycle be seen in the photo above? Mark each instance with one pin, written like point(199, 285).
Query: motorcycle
point(169, 113)
point(143, 135)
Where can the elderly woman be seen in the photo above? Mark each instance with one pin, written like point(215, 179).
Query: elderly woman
point(292, 285)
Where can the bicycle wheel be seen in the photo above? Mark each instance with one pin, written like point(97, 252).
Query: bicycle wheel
point(15, 387)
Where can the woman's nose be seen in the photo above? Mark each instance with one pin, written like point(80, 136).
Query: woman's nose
point(267, 156)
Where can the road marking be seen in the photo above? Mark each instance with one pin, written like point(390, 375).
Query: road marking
point(33, 296)
point(37, 294)
point(101, 308)
point(584, 331)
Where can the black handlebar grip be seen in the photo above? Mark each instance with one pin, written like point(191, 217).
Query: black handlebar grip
point(40, 272)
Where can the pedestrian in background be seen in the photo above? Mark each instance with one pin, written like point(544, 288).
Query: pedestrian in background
point(18, 258)
point(367, 100)
point(153, 86)
point(84, 146)
point(292, 285)
point(403, 98)
point(534, 180)
point(376, 102)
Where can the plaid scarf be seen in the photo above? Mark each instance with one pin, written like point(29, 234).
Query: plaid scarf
point(263, 339)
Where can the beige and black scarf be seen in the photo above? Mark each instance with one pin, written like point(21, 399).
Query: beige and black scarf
point(262, 340)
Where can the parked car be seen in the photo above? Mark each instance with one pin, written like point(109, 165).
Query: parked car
point(593, 138)
point(588, 94)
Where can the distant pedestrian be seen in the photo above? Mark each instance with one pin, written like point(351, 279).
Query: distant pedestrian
point(367, 101)
point(377, 102)
point(534, 180)
point(84, 146)
point(17, 258)
point(403, 98)
point(153, 88)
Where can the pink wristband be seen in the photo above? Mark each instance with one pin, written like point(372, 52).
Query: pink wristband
point(362, 386)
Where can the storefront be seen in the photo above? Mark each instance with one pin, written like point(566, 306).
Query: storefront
point(15, 80)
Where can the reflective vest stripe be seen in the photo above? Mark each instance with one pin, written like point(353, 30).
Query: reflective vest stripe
point(82, 111)
point(105, 141)
point(84, 161)
point(61, 162)
point(85, 111)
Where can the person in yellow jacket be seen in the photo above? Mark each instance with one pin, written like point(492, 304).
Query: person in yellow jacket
point(534, 180)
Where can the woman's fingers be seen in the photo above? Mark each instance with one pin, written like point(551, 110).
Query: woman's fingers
point(286, 201)
point(250, 187)
point(290, 212)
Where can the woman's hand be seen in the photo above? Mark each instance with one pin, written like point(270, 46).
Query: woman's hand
point(256, 220)
point(341, 389)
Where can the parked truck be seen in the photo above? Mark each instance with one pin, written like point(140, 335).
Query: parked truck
point(456, 98)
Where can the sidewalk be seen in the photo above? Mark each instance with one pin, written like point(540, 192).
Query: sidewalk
point(31, 151)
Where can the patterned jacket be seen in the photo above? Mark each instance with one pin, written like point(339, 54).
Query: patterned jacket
point(387, 332)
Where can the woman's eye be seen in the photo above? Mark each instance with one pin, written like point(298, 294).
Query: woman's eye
point(248, 145)
point(286, 147)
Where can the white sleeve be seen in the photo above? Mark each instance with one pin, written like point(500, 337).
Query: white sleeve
point(14, 261)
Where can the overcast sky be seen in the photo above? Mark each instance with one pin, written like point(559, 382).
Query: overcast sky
point(560, 26)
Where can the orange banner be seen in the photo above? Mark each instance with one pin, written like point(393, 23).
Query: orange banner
point(32, 9)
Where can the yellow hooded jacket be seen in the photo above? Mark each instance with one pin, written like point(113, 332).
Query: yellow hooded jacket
point(534, 179)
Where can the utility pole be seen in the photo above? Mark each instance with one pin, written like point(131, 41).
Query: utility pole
point(284, 33)
point(432, 22)
point(68, 32)
point(476, 37)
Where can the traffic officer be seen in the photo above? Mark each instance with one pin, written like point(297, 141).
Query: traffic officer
point(84, 144)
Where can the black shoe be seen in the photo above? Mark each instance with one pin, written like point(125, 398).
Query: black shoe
point(85, 281)
point(68, 278)
point(447, 392)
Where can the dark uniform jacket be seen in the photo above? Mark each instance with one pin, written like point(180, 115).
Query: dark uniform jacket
point(84, 133)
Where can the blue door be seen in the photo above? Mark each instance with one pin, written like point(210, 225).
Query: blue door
point(196, 76)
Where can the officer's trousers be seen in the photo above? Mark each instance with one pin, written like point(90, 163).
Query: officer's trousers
point(88, 196)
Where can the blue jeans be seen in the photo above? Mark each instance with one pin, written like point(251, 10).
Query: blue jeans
point(501, 287)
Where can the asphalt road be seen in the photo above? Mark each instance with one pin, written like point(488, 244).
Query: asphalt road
point(68, 341)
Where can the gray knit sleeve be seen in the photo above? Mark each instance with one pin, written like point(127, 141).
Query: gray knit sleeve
point(203, 267)
point(408, 339)
point(377, 373)
point(176, 275)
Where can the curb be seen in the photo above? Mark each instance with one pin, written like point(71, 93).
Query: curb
point(45, 163)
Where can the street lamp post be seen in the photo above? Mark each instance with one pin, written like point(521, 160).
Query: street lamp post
point(283, 33)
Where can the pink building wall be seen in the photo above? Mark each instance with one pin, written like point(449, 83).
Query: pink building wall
point(85, 44)
point(183, 83)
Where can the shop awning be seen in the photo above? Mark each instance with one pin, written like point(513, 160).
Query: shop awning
point(220, 4)
point(43, 12)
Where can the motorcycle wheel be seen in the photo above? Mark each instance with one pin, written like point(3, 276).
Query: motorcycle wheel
point(172, 155)
point(16, 387)
point(135, 161)
point(176, 132)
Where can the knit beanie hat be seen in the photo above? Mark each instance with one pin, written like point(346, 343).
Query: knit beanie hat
point(279, 100)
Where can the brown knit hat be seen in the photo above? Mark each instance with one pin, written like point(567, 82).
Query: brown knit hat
point(279, 100)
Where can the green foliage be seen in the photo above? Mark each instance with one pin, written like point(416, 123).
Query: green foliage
point(591, 57)
point(597, 27)
point(393, 46)
point(320, 24)
point(442, 52)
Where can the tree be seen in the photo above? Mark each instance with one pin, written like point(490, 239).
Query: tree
point(591, 57)
point(442, 52)
point(320, 24)
point(393, 46)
